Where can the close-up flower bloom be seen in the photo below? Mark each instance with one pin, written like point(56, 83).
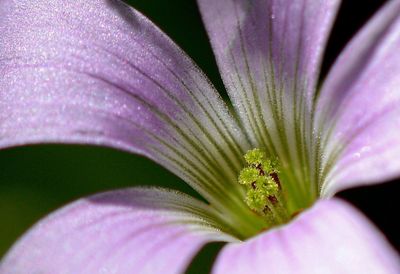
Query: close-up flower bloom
point(101, 73)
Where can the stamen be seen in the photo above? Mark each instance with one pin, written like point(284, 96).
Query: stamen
point(264, 191)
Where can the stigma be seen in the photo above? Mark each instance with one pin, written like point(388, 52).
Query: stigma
point(264, 195)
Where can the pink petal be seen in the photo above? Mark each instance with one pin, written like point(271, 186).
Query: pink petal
point(331, 237)
point(99, 72)
point(127, 231)
point(360, 101)
point(269, 55)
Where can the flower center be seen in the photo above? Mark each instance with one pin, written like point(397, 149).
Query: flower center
point(264, 193)
point(269, 192)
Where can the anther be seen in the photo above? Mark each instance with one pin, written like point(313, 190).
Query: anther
point(263, 186)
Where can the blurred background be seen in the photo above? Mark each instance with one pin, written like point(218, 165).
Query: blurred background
point(36, 180)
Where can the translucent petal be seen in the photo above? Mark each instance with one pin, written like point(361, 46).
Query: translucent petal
point(332, 237)
point(98, 72)
point(359, 107)
point(269, 55)
point(116, 232)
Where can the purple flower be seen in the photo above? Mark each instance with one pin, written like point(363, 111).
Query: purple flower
point(98, 72)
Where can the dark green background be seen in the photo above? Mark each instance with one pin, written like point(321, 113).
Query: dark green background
point(36, 180)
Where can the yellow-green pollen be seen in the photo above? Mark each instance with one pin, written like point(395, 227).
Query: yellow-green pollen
point(264, 193)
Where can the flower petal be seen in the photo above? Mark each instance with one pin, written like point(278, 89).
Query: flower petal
point(116, 232)
point(269, 55)
point(331, 237)
point(99, 72)
point(360, 106)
